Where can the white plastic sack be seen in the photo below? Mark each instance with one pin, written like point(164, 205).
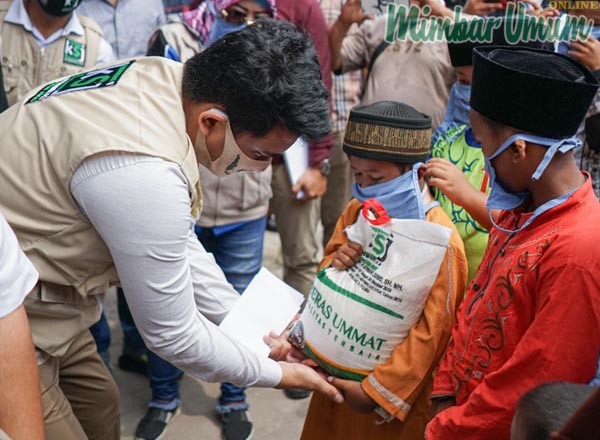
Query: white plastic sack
point(353, 319)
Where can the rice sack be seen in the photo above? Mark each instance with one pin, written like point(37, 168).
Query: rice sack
point(353, 319)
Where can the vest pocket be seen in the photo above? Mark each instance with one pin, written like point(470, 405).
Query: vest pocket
point(11, 78)
point(57, 316)
point(53, 293)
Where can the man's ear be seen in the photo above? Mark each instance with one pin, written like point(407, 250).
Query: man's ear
point(212, 125)
point(208, 120)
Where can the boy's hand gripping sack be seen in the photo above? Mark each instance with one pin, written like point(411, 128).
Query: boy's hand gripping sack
point(353, 319)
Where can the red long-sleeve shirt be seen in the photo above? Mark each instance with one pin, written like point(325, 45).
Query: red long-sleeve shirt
point(530, 316)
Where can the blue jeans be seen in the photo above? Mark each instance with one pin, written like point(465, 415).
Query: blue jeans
point(131, 337)
point(238, 252)
point(164, 377)
point(101, 333)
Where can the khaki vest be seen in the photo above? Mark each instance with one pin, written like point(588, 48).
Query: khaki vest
point(25, 65)
point(183, 39)
point(133, 106)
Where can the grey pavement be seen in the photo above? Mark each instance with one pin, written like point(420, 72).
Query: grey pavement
point(274, 416)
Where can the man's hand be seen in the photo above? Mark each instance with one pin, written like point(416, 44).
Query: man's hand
point(347, 255)
point(306, 378)
point(352, 12)
point(586, 52)
point(481, 7)
point(280, 346)
point(283, 350)
point(533, 8)
point(546, 13)
point(437, 9)
point(312, 182)
point(355, 396)
point(445, 176)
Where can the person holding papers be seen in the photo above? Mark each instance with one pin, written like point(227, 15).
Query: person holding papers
point(100, 183)
point(231, 227)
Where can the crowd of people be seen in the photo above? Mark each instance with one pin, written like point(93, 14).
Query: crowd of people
point(142, 149)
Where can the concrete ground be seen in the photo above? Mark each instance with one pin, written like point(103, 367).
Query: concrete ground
point(274, 416)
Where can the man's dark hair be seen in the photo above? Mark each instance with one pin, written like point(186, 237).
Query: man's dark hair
point(548, 407)
point(264, 75)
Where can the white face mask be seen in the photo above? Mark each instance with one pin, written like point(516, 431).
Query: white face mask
point(232, 159)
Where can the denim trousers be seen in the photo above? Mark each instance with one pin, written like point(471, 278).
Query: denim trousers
point(101, 333)
point(238, 252)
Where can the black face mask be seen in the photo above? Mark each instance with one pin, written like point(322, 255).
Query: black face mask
point(592, 132)
point(58, 8)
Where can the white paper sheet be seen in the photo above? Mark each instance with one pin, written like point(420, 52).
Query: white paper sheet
point(268, 304)
point(296, 161)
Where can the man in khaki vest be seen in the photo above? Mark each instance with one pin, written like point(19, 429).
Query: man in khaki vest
point(100, 183)
point(42, 40)
point(232, 228)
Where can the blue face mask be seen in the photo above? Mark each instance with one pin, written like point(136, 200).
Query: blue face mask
point(501, 198)
point(401, 197)
point(458, 107)
point(222, 27)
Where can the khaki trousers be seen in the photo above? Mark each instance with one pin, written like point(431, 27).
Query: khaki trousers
point(297, 226)
point(339, 183)
point(79, 395)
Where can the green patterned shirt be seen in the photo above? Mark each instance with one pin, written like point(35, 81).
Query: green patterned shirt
point(456, 143)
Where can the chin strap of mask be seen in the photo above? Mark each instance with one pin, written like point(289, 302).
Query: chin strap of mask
point(561, 146)
point(554, 146)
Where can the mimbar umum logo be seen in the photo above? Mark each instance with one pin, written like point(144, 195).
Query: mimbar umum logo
point(416, 24)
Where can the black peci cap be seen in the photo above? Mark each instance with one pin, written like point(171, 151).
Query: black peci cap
point(536, 91)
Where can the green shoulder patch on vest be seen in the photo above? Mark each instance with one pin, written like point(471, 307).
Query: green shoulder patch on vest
point(90, 80)
point(74, 53)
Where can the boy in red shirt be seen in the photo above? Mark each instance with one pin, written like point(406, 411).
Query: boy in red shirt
point(532, 313)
